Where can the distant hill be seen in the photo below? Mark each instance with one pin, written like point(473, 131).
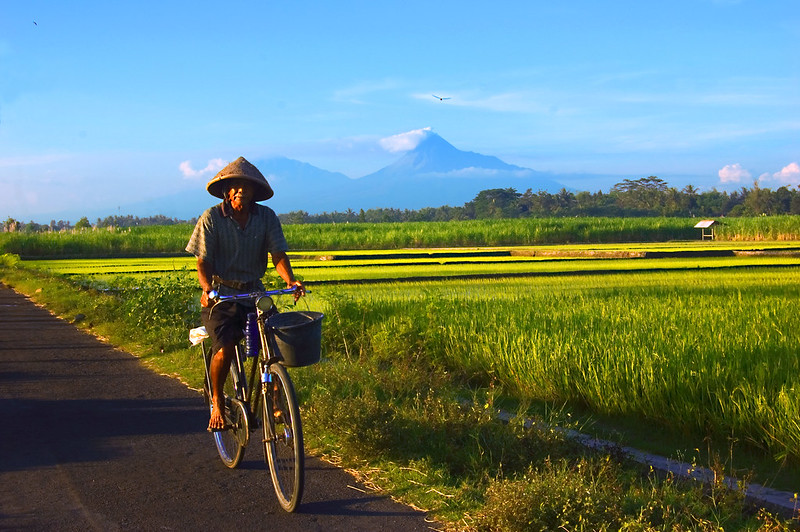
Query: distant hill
point(301, 186)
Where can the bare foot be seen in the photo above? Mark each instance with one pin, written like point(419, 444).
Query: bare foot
point(217, 421)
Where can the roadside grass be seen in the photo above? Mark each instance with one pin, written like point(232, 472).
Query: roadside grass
point(383, 404)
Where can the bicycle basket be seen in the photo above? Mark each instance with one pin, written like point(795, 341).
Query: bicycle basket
point(297, 336)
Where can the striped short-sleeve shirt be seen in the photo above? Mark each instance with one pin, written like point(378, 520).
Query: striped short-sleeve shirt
point(237, 254)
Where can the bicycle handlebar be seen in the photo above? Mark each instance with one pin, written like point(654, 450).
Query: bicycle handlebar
point(214, 296)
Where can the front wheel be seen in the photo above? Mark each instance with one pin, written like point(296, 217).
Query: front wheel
point(283, 437)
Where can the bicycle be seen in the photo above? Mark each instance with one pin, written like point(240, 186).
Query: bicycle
point(288, 339)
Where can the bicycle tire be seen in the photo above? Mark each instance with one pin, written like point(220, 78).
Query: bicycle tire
point(231, 442)
point(283, 437)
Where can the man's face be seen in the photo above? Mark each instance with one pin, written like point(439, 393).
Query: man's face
point(240, 194)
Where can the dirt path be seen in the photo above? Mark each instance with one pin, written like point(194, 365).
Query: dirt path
point(92, 440)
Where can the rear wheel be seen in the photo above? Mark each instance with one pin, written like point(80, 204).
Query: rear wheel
point(231, 441)
point(283, 437)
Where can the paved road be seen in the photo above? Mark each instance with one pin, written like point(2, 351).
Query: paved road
point(92, 440)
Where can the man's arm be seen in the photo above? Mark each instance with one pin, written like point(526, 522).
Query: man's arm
point(205, 272)
point(284, 268)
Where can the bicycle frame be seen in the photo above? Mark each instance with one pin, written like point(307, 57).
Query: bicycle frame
point(266, 394)
point(264, 308)
point(272, 399)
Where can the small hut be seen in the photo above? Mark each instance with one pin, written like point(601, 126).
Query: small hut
point(706, 229)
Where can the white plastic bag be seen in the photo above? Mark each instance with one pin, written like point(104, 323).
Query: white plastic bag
point(197, 335)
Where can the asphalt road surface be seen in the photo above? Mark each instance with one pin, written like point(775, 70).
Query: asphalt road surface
point(90, 439)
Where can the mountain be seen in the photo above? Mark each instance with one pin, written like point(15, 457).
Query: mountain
point(432, 174)
point(434, 155)
point(436, 173)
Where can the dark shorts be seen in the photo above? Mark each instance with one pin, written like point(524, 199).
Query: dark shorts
point(226, 324)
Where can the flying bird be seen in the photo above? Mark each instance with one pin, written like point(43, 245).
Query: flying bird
point(440, 97)
point(34, 22)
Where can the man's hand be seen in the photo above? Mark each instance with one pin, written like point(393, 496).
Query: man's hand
point(299, 289)
point(204, 301)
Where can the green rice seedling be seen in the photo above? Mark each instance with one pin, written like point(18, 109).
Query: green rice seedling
point(111, 266)
point(361, 271)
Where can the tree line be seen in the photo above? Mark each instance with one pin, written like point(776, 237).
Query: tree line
point(11, 224)
point(648, 196)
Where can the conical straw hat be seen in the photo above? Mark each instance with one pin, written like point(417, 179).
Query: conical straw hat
point(241, 168)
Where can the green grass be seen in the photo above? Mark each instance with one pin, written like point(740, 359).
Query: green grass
point(708, 351)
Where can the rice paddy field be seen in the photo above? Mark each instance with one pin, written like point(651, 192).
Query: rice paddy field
point(171, 240)
point(334, 266)
point(632, 330)
point(696, 337)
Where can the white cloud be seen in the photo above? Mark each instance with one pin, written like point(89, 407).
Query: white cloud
point(404, 141)
point(214, 166)
point(531, 102)
point(789, 175)
point(733, 173)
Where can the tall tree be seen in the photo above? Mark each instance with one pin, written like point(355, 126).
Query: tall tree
point(644, 194)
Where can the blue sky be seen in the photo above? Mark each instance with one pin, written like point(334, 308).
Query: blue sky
point(106, 104)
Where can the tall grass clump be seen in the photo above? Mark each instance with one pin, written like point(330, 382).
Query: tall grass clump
point(711, 352)
point(505, 232)
point(780, 228)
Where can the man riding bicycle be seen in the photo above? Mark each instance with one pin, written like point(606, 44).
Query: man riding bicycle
point(231, 242)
